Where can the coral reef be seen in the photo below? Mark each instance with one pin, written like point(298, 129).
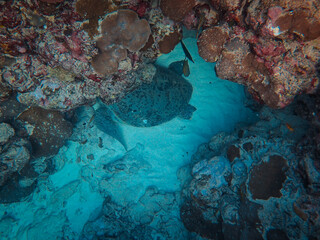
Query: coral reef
point(121, 31)
point(65, 54)
point(211, 43)
point(46, 129)
point(92, 11)
point(14, 153)
point(176, 10)
point(168, 43)
point(271, 47)
point(146, 219)
point(243, 182)
point(46, 57)
point(26, 147)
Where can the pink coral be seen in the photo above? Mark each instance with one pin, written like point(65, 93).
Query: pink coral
point(140, 7)
point(190, 21)
point(282, 53)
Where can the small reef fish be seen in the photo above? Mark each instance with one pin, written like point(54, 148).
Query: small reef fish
point(291, 129)
point(186, 51)
point(186, 69)
point(92, 118)
point(180, 67)
point(201, 21)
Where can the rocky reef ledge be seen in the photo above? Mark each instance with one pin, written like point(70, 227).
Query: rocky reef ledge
point(259, 182)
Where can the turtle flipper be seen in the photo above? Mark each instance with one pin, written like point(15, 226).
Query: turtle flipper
point(187, 112)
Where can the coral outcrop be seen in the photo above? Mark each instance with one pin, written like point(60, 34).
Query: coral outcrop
point(46, 129)
point(93, 10)
point(53, 55)
point(45, 57)
point(168, 43)
point(211, 43)
point(165, 34)
point(14, 153)
point(121, 31)
point(176, 10)
point(242, 183)
point(271, 48)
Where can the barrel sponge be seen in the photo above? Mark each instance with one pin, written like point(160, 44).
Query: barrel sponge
point(121, 30)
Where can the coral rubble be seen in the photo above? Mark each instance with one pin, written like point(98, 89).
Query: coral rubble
point(282, 50)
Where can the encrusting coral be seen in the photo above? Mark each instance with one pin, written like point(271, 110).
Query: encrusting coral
point(176, 10)
point(211, 43)
point(168, 43)
point(121, 31)
point(272, 47)
point(93, 10)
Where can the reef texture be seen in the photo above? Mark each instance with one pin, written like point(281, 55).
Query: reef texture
point(272, 47)
point(46, 130)
point(121, 31)
point(93, 10)
point(46, 53)
point(29, 137)
point(176, 10)
point(149, 218)
point(256, 183)
point(13, 152)
point(15, 155)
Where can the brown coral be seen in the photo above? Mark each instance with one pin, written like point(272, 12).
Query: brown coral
point(299, 23)
point(210, 43)
point(120, 30)
point(176, 10)
point(277, 52)
point(108, 61)
point(226, 5)
point(237, 64)
point(93, 10)
point(231, 65)
point(47, 130)
point(267, 178)
point(52, 1)
point(168, 43)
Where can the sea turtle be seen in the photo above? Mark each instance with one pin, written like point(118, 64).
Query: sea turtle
point(165, 98)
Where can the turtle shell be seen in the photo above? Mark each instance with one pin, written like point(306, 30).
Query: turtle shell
point(165, 98)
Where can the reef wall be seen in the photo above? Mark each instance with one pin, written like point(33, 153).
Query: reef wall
point(260, 182)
